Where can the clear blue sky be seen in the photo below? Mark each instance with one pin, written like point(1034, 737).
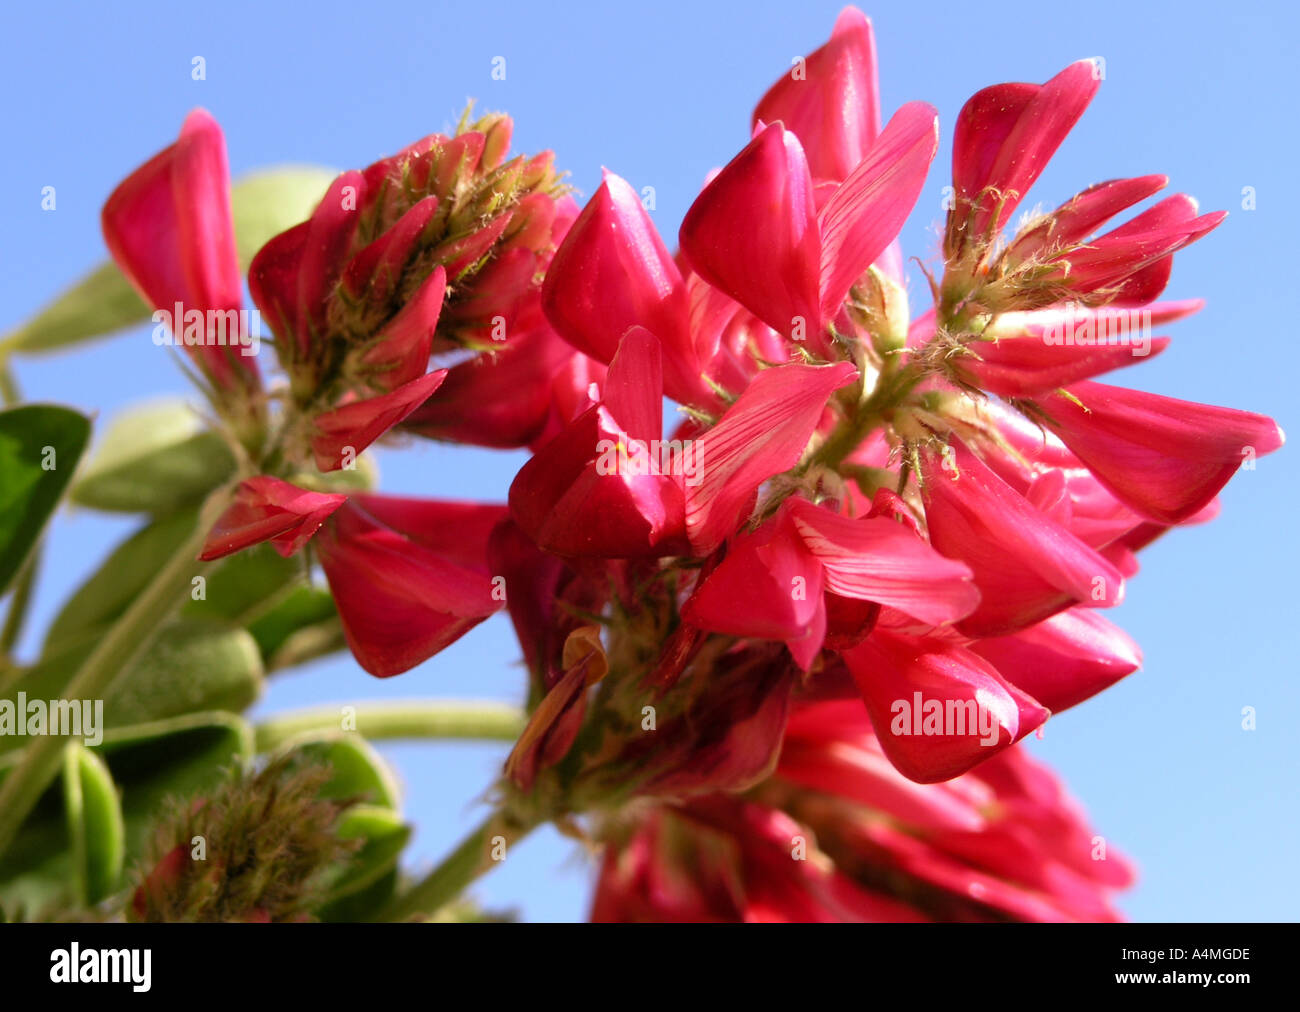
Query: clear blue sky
point(661, 93)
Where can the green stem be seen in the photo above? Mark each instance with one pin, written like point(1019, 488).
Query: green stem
point(417, 718)
point(9, 393)
point(18, 603)
point(892, 385)
point(116, 652)
point(482, 850)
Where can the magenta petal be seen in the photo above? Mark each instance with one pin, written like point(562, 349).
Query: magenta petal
point(1064, 660)
point(206, 227)
point(1044, 123)
point(456, 530)
point(374, 273)
point(268, 509)
point(865, 214)
point(753, 233)
point(833, 107)
point(1006, 135)
point(938, 710)
point(169, 228)
point(611, 273)
point(346, 431)
point(1075, 220)
point(400, 602)
point(829, 748)
point(1024, 367)
point(877, 559)
point(497, 399)
point(1162, 457)
point(983, 126)
point(570, 503)
point(763, 433)
point(326, 245)
point(402, 348)
point(769, 586)
point(273, 281)
point(1026, 565)
point(634, 384)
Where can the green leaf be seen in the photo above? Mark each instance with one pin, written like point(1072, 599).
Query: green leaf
point(384, 835)
point(100, 303)
point(247, 585)
point(359, 770)
point(40, 445)
point(95, 824)
point(154, 459)
point(243, 589)
point(301, 625)
point(264, 204)
point(192, 666)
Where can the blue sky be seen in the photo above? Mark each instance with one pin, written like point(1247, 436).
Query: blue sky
point(661, 94)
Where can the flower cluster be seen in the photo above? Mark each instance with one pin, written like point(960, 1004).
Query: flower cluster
point(822, 608)
point(837, 834)
point(440, 246)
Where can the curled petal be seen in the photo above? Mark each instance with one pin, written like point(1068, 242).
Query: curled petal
point(877, 559)
point(937, 709)
point(349, 429)
point(865, 214)
point(268, 509)
point(400, 601)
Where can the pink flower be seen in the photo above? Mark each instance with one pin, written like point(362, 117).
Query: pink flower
point(505, 398)
point(268, 509)
point(341, 434)
point(597, 488)
point(1004, 137)
point(1030, 353)
point(1026, 565)
point(832, 103)
point(169, 228)
point(1065, 659)
point(612, 273)
point(938, 709)
point(773, 583)
point(1162, 457)
point(409, 576)
point(756, 231)
point(601, 486)
point(836, 834)
point(390, 264)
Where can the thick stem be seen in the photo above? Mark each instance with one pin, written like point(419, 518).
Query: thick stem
point(416, 718)
point(482, 850)
point(121, 646)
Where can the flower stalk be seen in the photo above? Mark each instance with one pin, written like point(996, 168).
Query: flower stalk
point(432, 719)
